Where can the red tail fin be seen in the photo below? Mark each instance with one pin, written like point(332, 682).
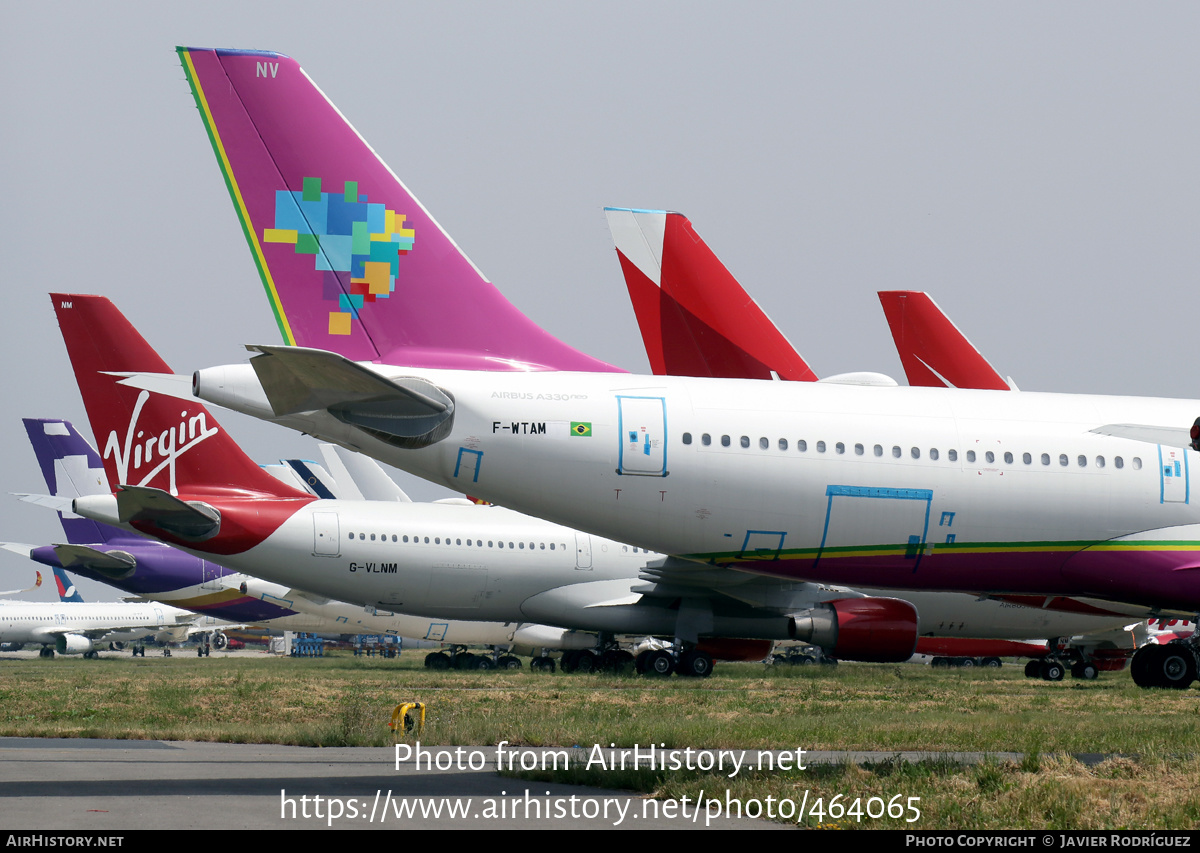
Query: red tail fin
point(147, 439)
point(931, 348)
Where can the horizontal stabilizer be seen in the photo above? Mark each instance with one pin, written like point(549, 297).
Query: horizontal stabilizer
point(1170, 436)
point(54, 502)
point(407, 411)
point(158, 509)
point(112, 564)
point(17, 548)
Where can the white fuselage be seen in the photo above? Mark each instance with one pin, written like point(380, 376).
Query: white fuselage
point(889, 487)
point(88, 623)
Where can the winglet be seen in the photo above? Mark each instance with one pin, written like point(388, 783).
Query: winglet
point(695, 319)
point(350, 259)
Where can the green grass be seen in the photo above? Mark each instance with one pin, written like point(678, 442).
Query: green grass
point(346, 701)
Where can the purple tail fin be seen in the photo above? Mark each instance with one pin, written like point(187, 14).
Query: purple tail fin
point(350, 260)
point(71, 468)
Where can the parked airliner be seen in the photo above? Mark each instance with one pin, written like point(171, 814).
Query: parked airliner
point(160, 573)
point(881, 486)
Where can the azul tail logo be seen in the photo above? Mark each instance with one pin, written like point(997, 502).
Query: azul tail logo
point(356, 245)
point(163, 448)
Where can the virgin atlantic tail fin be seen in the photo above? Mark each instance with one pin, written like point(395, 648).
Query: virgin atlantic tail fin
point(351, 261)
point(931, 348)
point(695, 319)
point(148, 439)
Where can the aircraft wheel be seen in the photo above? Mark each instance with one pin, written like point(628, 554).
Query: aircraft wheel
point(437, 660)
point(567, 662)
point(1033, 669)
point(1052, 670)
point(695, 664)
point(542, 664)
point(483, 663)
point(639, 662)
point(993, 663)
point(1177, 667)
point(510, 662)
point(939, 663)
point(586, 661)
point(805, 660)
point(966, 662)
point(466, 660)
point(1141, 666)
point(659, 663)
point(46, 652)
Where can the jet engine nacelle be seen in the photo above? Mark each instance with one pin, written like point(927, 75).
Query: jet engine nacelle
point(72, 644)
point(880, 630)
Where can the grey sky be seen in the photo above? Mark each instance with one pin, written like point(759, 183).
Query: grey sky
point(1034, 166)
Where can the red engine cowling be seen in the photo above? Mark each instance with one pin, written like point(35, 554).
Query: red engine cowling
point(879, 630)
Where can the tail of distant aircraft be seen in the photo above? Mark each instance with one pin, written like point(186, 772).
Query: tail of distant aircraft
point(696, 320)
point(66, 588)
point(350, 260)
point(932, 349)
point(71, 468)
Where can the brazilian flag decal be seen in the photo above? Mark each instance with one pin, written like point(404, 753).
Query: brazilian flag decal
point(581, 428)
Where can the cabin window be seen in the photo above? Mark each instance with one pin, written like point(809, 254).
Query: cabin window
point(1008, 458)
point(970, 455)
point(1118, 461)
point(1082, 461)
point(989, 456)
point(1137, 463)
point(802, 445)
point(1099, 461)
point(896, 451)
point(820, 447)
point(783, 444)
point(914, 452)
point(1045, 458)
point(745, 441)
point(764, 443)
point(1063, 460)
point(724, 441)
point(858, 450)
point(952, 455)
point(706, 439)
point(687, 438)
point(878, 450)
point(840, 447)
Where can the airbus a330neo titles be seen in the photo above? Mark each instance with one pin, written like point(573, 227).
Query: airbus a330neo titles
point(948, 489)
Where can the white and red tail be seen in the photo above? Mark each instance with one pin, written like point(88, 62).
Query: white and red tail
point(931, 348)
point(147, 439)
point(695, 319)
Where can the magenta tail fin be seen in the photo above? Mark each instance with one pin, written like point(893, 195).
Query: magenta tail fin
point(350, 260)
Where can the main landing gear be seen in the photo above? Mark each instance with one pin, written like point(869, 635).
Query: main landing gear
point(1171, 666)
